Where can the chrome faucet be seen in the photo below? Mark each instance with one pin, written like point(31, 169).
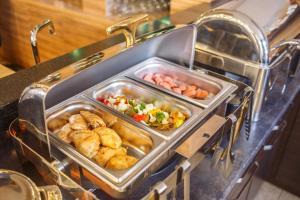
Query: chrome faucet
point(33, 37)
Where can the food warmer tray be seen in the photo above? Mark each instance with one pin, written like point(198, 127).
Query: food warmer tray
point(122, 86)
point(216, 87)
point(164, 142)
point(58, 88)
point(76, 104)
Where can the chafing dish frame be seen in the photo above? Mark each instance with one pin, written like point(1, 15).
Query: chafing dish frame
point(35, 99)
point(59, 86)
point(161, 189)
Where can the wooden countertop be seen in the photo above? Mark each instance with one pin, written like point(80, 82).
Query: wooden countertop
point(4, 71)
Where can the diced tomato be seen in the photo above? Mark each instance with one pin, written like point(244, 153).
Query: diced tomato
point(139, 118)
point(103, 100)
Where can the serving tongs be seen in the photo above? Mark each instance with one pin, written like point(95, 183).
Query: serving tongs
point(237, 118)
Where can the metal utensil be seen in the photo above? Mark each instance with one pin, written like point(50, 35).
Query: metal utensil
point(229, 161)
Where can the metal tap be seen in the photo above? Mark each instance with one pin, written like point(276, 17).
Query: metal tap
point(128, 27)
point(33, 37)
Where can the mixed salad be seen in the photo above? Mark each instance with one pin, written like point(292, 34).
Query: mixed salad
point(153, 114)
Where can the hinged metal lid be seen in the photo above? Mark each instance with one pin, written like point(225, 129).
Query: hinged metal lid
point(14, 185)
point(247, 29)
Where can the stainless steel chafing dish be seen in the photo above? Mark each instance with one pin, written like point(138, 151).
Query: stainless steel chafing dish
point(75, 88)
point(254, 39)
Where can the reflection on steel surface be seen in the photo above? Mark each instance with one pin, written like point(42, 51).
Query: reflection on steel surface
point(128, 27)
point(18, 186)
point(129, 7)
point(242, 37)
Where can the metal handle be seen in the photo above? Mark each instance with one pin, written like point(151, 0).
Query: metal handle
point(280, 127)
point(33, 37)
point(128, 27)
point(162, 189)
point(242, 21)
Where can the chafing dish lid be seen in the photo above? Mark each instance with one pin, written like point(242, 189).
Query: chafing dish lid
point(245, 29)
point(14, 185)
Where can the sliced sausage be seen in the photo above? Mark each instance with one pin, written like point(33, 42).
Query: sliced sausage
point(182, 87)
point(191, 87)
point(201, 94)
point(190, 93)
point(166, 85)
point(177, 90)
point(148, 77)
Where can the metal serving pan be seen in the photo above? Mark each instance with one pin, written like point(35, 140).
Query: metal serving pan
point(73, 106)
point(131, 89)
point(216, 87)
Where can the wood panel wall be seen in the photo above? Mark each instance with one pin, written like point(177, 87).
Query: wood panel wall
point(73, 30)
point(76, 27)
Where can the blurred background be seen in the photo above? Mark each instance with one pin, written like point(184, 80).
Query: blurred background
point(77, 22)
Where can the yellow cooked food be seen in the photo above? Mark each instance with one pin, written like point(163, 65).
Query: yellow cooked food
point(109, 119)
point(106, 153)
point(56, 123)
point(103, 144)
point(120, 162)
point(65, 132)
point(77, 122)
point(86, 142)
point(109, 137)
point(93, 120)
point(141, 141)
